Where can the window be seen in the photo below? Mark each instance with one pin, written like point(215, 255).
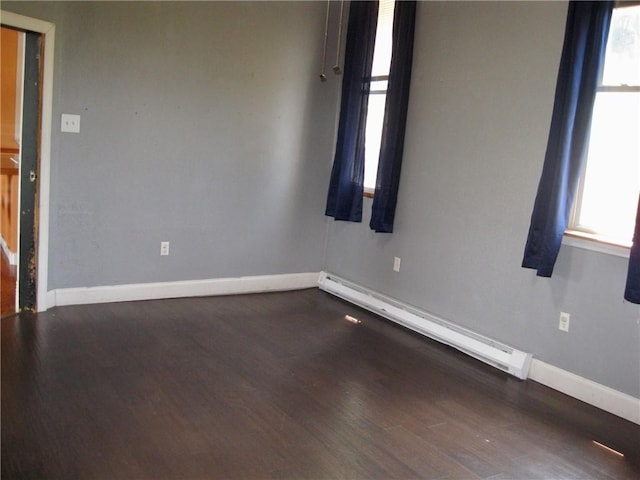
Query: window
point(346, 185)
point(378, 92)
point(607, 198)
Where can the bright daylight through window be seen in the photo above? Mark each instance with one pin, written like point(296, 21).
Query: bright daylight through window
point(378, 92)
point(608, 194)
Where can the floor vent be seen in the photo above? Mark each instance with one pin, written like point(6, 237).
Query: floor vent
point(496, 354)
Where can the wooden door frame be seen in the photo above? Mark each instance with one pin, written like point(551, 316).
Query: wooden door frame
point(47, 30)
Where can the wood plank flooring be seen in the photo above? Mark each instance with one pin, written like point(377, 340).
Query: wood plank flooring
point(278, 385)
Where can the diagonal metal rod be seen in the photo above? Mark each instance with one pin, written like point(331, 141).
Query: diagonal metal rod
point(336, 67)
point(323, 77)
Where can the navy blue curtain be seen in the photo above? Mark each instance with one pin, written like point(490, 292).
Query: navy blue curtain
point(632, 290)
point(344, 200)
point(581, 63)
point(395, 119)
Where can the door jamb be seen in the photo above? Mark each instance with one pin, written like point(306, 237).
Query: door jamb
point(47, 30)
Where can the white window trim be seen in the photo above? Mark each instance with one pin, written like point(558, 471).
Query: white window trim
point(587, 241)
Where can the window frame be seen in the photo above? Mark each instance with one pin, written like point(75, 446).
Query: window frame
point(582, 236)
point(369, 192)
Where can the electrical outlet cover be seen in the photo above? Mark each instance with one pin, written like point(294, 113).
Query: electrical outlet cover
point(564, 321)
point(70, 123)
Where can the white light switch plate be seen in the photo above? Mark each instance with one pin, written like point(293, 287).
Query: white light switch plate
point(70, 123)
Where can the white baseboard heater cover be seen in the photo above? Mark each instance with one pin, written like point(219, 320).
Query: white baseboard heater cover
point(496, 354)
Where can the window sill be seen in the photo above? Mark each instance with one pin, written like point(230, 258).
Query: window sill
point(368, 192)
point(591, 242)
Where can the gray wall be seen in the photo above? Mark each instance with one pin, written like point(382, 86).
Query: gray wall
point(481, 100)
point(203, 124)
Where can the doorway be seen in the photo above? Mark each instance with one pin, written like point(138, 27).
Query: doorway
point(31, 135)
point(21, 90)
point(12, 78)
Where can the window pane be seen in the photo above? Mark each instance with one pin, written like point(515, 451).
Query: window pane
point(379, 85)
point(622, 64)
point(612, 177)
point(384, 35)
point(375, 118)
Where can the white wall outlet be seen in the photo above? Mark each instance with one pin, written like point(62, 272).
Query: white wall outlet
point(396, 264)
point(70, 123)
point(164, 248)
point(564, 321)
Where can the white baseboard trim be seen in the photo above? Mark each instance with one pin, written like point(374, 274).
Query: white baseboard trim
point(12, 256)
point(51, 301)
point(188, 288)
point(586, 390)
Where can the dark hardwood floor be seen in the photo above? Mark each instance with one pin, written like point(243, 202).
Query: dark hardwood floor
point(8, 278)
point(278, 386)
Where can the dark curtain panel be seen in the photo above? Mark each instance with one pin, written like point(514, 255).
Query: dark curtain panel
point(344, 200)
point(395, 119)
point(580, 66)
point(632, 290)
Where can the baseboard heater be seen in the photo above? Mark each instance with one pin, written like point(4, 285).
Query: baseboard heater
point(496, 354)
